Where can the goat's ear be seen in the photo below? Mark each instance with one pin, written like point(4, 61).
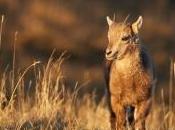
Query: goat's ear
point(109, 21)
point(137, 25)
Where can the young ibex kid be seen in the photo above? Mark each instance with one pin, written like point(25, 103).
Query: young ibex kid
point(129, 75)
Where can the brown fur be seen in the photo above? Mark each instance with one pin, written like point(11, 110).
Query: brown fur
point(129, 75)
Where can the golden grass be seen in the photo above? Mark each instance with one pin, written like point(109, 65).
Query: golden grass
point(51, 106)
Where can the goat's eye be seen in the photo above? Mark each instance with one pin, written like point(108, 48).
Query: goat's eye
point(125, 38)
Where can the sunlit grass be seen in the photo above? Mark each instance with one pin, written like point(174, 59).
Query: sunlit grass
point(51, 106)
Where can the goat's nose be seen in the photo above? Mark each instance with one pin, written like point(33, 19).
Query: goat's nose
point(108, 52)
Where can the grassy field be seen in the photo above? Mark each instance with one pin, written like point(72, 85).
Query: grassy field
point(51, 106)
point(41, 101)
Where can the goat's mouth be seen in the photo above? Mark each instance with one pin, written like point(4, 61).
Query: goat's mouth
point(112, 57)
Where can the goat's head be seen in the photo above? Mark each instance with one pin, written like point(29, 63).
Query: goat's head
point(120, 35)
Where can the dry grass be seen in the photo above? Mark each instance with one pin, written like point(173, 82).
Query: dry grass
point(51, 106)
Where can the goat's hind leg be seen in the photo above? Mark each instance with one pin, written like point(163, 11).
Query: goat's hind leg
point(140, 114)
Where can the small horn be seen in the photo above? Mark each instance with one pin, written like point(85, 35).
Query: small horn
point(114, 17)
point(110, 22)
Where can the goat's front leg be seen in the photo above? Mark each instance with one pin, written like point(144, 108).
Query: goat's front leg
point(120, 116)
point(140, 114)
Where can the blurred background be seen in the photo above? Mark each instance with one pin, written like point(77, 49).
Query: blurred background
point(79, 27)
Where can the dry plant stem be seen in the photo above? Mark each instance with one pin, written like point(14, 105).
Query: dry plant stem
point(174, 70)
point(164, 125)
point(171, 85)
point(20, 79)
point(171, 91)
point(14, 59)
point(1, 28)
